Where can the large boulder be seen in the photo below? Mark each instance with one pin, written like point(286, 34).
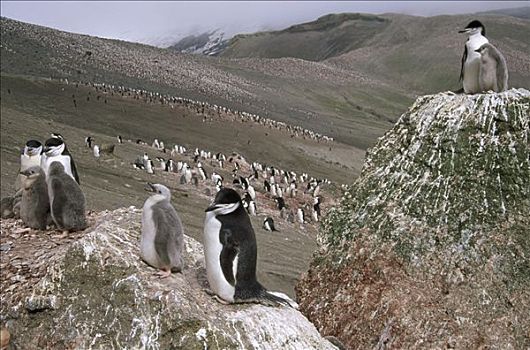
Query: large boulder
point(98, 294)
point(430, 247)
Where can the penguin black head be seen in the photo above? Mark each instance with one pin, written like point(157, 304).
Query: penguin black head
point(32, 148)
point(226, 201)
point(33, 144)
point(474, 27)
point(54, 146)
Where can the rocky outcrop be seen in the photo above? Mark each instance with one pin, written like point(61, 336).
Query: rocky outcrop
point(430, 246)
point(98, 294)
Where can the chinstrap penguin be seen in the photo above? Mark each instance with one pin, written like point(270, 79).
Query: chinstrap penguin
point(230, 253)
point(55, 150)
point(469, 72)
point(268, 224)
point(162, 239)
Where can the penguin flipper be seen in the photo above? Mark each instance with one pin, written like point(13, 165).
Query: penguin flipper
point(74, 171)
point(228, 254)
point(464, 57)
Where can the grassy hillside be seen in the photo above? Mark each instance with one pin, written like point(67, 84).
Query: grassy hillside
point(328, 36)
point(418, 54)
point(299, 92)
point(35, 107)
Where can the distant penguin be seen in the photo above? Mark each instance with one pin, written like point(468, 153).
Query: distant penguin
point(216, 178)
point(268, 224)
point(230, 252)
point(88, 141)
point(469, 72)
point(266, 185)
point(187, 174)
point(55, 150)
point(150, 167)
point(493, 72)
point(31, 156)
point(120, 140)
point(96, 151)
point(252, 208)
point(202, 173)
point(280, 202)
point(35, 204)
point(251, 192)
point(300, 215)
point(316, 209)
point(67, 201)
point(162, 239)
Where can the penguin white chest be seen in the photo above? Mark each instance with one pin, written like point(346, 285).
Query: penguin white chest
point(212, 253)
point(27, 162)
point(472, 64)
point(147, 240)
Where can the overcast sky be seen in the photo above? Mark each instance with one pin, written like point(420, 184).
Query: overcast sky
point(150, 21)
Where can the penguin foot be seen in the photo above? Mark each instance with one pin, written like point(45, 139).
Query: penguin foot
point(215, 296)
point(164, 273)
point(64, 234)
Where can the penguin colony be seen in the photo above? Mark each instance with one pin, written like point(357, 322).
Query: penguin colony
point(49, 192)
point(207, 110)
point(50, 196)
point(483, 66)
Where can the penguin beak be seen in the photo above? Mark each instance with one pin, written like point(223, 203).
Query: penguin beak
point(467, 30)
point(149, 187)
point(25, 173)
point(46, 149)
point(212, 207)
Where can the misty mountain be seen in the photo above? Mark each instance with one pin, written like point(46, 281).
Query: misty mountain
point(208, 43)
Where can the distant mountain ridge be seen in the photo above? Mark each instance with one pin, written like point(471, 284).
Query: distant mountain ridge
point(207, 43)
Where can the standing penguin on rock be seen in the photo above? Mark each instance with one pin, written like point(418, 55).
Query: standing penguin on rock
point(35, 204)
point(162, 239)
point(469, 72)
point(67, 201)
point(230, 253)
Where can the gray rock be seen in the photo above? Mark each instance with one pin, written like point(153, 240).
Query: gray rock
point(100, 295)
point(429, 247)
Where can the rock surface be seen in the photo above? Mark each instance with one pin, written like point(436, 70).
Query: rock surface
point(430, 246)
point(98, 294)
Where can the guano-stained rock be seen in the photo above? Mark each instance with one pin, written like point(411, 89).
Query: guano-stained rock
point(98, 294)
point(430, 247)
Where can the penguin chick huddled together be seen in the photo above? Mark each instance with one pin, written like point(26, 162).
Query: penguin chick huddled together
point(35, 203)
point(162, 239)
point(230, 252)
point(67, 201)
